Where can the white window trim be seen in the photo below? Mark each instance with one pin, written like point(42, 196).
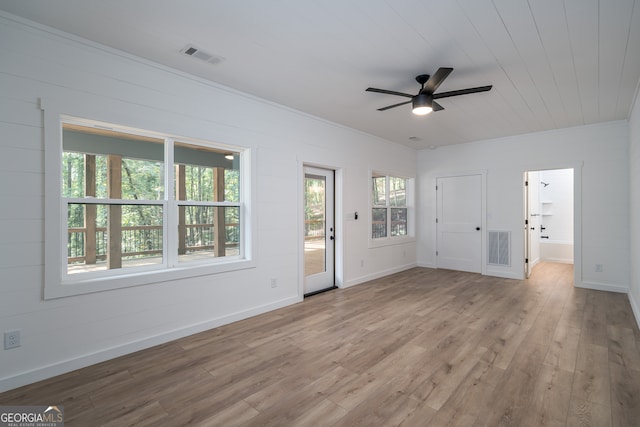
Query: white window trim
point(57, 283)
point(411, 232)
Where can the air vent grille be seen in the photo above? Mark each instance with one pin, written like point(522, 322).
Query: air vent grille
point(195, 52)
point(500, 248)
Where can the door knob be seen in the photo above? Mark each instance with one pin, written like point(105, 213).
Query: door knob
point(477, 228)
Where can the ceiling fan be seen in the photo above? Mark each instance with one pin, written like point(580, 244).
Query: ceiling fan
point(424, 102)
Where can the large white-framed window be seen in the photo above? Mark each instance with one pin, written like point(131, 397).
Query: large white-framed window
point(391, 209)
point(134, 206)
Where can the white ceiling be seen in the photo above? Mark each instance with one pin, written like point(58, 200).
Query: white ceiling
point(552, 63)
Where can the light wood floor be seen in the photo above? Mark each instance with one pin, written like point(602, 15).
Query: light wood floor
point(420, 348)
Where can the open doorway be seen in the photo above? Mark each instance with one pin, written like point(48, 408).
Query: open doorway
point(549, 217)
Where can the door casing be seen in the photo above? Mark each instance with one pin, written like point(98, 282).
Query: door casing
point(483, 223)
point(326, 279)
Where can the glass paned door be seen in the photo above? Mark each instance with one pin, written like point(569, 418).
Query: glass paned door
point(319, 229)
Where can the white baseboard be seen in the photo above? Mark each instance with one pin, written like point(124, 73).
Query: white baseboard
point(635, 308)
point(505, 274)
point(62, 367)
point(489, 272)
point(426, 264)
point(377, 275)
point(559, 260)
point(597, 286)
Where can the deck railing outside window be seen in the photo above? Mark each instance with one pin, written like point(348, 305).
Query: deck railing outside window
point(144, 241)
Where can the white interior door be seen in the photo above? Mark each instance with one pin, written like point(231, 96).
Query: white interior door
point(459, 222)
point(319, 230)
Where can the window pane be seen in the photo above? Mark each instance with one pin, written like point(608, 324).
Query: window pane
point(110, 164)
point(142, 180)
point(397, 191)
point(197, 232)
point(379, 223)
point(206, 174)
point(232, 185)
point(72, 175)
point(398, 221)
point(103, 237)
point(314, 224)
point(314, 206)
point(379, 191)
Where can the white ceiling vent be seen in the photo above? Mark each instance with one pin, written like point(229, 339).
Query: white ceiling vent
point(195, 52)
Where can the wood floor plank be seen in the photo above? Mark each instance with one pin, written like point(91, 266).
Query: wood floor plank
point(625, 395)
point(622, 347)
point(444, 382)
point(238, 414)
point(462, 408)
point(510, 400)
point(563, 350)
point(585, 413)
point(149, 414)
point(323, 413)
point(551, 397)
point(591, 380)
point(594, 323)
point(417, 348)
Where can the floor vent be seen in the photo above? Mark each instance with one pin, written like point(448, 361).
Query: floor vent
point(500, 248)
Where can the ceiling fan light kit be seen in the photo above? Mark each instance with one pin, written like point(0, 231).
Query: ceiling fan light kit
point(423, 103)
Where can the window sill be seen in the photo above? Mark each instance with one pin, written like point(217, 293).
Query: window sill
point(59, 289)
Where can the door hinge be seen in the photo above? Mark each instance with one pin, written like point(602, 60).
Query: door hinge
point(436, 188)
point(526, 183)
point(526, 222)
point(436, 220)
point(436, 253)
point(526, 260)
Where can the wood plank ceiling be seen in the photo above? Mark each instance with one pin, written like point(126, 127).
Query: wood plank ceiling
point(553, 63)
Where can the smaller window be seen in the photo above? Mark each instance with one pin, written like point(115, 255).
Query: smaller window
point(389, 210)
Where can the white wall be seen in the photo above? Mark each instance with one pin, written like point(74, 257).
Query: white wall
point(599, 155)
point(634, 191)
point(67, 333)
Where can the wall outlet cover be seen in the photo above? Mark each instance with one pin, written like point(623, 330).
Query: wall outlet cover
point(11, 339)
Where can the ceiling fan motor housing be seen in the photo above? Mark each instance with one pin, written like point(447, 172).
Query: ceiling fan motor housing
point(422, 100)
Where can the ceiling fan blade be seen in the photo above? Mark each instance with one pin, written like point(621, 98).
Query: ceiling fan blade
point(436, 80)
point(388, 92)
point(462, 92)
point(393, 106)
point(436, 106)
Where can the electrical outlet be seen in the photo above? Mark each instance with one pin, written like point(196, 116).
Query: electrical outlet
point(11, 339)
point(599, 268)
point(274, 282)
